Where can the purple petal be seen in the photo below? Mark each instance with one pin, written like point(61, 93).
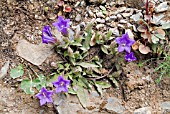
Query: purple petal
point(42, 101)
point(127, 49)
point(47, 29)
point(131, 42)
point(47, 39)
point(49, 100)
point(60, 89)
point(130, 57)
point(39, 95)
point(118, 40)
point(64, 31)
point(121, 48)
point(60, 18)
point(55, 24)
point(67, 82)
point(126, 36)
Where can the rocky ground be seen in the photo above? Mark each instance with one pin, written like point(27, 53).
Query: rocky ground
point(21, 22)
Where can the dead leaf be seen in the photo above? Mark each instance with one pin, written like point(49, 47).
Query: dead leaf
point(142, 28)
point(135, 46)
point(144, 49)
point(93, 40)
point(160, 31)
point(146, 35)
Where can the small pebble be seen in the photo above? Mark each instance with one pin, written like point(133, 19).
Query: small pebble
point(100, 14)
point(123, 21)
point(99, 26)
point(100, 20)
point(78, 18)
point(119, 16)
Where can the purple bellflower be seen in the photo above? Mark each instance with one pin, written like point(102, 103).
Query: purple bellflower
point(130, 57)
point(61, 84)
point(47, 35)
point(45, 96)
point(62, 25)
point(125, 43)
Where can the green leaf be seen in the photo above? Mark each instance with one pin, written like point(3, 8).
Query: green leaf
point(109, 34)
point(101, 85)
point(84, 83)
point(52, 79)
point(42, 79)
point(114, 81)
point(99, 88)
point(104, 49)
point(36, 83)
point(155, 39)
point(86, 43)
point(160, 36)
point(17, 72)
point(71, 91)
point(166, 26)
point(154, 48)
point(76, 44)
point(104, 85)
point(60, 67)
point(82, 96)
point(87, 65)
point(27, 85)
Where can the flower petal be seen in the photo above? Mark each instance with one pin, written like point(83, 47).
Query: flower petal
point(42, 101)
point(121, 48)
point(127, 49)
point(60, 89)
point(49, 100)
point(118, 40)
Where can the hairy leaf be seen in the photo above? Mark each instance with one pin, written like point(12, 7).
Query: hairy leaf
point(87, 65)
point(27, 85)
point(17, 72)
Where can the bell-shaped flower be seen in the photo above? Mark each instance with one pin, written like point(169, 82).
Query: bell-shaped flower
point(62, 25)
point(130, 57)
point(45, 96)
point(125, 43)
point(61, 84)
point(47, 35)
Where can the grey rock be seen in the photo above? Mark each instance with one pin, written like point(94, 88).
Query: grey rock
point(100, 14)
point(99, 26)
point(91, 14)
point(107, 18)
point(136, 17)
point(98, 1)
point(123, 21)
point(130, 33)
point(165, 106)
point(161, 7)
point(120, 2)
point(100, 20)
point(115, 31)
point(119, 16)
point(126, 14)
point(78, 18)
point(144, 110)
point(114, 105)
point(112, 3)
point(36, 54)
point(122, 9)
point(129, 25)
point(4, 69)
point(120, 25)
point(113, 17)
point(102, 8)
